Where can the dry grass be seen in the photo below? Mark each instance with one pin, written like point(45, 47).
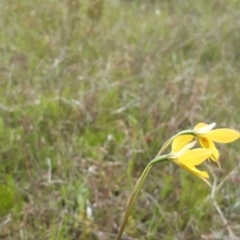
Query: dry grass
point(89, 91)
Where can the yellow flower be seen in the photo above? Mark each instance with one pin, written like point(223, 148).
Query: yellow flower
point(206, 137)
point(189, 159)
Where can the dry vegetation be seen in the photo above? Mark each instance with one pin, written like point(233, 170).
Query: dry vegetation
point(89, 92)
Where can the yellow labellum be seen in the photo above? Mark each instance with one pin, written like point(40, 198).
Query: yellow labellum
point(205, 143)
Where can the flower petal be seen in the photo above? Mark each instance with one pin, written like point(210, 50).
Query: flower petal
point(206, 143)
point(203, 142)
point(180, 141)
point(199, 126)
point(201, 174)
point(215, 153)
point(223, 135)
point(195, 156)
point(197, 172)
point(186, 148)
point(205, 129)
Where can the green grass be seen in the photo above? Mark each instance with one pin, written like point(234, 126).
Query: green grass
point(89, 93)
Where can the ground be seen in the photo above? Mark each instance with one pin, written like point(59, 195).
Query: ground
point(89, 92)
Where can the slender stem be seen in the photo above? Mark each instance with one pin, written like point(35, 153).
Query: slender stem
point(132, 199)
point(136, 191)
point(165, 145)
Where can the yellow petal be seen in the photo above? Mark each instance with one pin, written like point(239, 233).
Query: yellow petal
point(201, 174)
point(223, 135)
point(200, 125)
point(203, 142)
point(206, 143)
point(205, 129)
point(197, 172)
point(180, 141)
point(215, 153)
point(195, 156)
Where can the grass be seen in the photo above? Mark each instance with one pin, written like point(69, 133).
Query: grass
point(88, 94)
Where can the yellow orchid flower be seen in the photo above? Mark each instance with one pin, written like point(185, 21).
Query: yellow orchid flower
point(206, 137)
point(189, 159)
point(184, 156)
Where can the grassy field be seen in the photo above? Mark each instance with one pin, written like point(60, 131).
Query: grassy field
point(89, 91)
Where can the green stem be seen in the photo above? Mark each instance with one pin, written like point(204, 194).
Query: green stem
point(136, 191)
point(165, 145)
